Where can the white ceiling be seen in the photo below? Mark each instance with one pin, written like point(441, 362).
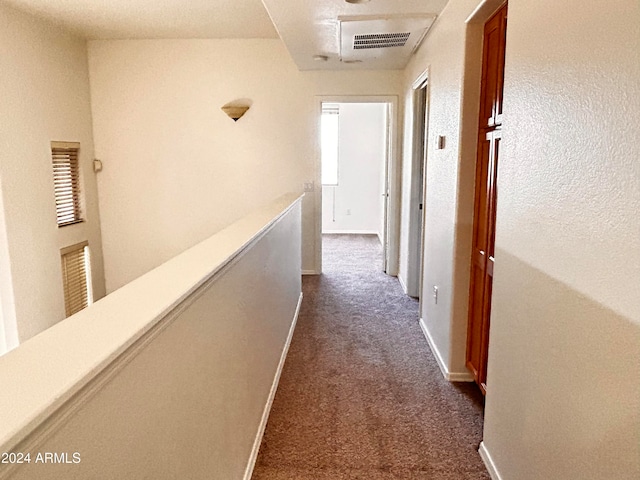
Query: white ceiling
point(310, 27)
point(307, 27)
point(122, 19)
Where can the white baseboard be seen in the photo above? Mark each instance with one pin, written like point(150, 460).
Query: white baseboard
point(450, 376)
point(350, 232)
point(310, 272)
point(488, 462)
point(403, 285)
point(272, 393)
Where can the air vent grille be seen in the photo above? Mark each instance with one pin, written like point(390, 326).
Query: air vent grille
point(380, 40)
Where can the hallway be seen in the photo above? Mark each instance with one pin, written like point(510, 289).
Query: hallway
point(361, 396)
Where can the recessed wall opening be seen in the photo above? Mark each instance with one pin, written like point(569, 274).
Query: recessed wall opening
point(417, 185)
point(469, 143)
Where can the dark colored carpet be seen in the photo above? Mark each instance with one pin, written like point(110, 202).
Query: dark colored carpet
point(361, 395)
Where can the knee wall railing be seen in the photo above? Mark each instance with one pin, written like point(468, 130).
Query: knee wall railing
point(169, 377)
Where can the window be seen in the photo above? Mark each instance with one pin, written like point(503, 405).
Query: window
point(66, 182)
point(329, 143)
point(76, 277)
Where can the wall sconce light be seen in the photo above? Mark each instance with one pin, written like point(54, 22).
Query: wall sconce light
point(236, 109)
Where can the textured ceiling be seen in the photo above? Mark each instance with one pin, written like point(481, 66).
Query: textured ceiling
point(120, 19)
point(307, 27)
point(311, 27)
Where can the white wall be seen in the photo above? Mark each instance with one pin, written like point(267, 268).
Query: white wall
point(563, 396)
point(447, 214)
point(362, 154)
point(176, 168)
point(45, 97)
point(8, 326)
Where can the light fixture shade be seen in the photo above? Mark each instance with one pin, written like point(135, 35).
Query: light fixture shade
point(235, 112)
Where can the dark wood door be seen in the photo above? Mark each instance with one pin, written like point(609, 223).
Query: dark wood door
point(482, 254)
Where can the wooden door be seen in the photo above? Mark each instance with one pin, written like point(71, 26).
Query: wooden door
point(482, 254)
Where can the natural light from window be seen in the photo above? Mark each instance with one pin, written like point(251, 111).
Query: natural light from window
point(330, 119)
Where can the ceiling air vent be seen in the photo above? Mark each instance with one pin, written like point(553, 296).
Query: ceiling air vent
point(380, 40)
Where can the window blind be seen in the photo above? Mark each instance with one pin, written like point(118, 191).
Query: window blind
point(66, 182)
point(329, 143)
point(75, 272)
point(330, 108)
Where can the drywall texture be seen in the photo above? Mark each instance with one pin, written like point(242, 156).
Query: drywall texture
point(563, 397)
point(188, 372)
point(176, 168)
point(45, 97)
point(447, 229)
point(355, 205)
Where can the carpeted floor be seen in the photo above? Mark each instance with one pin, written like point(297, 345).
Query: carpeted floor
point(361, 395)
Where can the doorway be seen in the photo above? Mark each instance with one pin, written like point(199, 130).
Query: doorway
point(357, 172)
point(417, 207)
point(485, 196)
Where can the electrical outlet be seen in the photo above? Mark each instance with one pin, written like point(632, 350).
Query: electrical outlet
point(435, 294)
point(309, 187)
point(348, 211)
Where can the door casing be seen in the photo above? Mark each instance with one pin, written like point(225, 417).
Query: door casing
point(392, 210)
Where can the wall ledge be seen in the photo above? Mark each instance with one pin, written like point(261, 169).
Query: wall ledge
point(52, 368)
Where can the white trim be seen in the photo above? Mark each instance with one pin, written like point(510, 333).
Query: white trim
point(393, 174)
point(421, 81)
point(450, 376)
point(418, 185)
point(350, 232)
point(488, 462)
point(272, 393)
point(402, 284)
point(310, 272)
point(484, 11)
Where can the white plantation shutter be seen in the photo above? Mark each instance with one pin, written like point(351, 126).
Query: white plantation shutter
point(66, 180)
point(75, 277)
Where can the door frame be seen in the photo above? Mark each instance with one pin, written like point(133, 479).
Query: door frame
point(470, 113)
point(391, 245)
point(418, 187)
